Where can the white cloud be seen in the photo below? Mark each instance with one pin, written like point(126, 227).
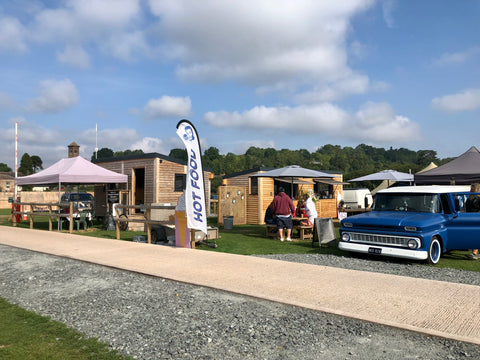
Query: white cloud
point(118, 139)
point(373, 122)
point(110, 25)
point(351, 84)
point(378, 123)
point(55, 96)
point(106, 12)
point(12, 35)
point(149, 144)
point(358, 50)
point(313, 118)
point(124, 139)
point(85, 20)
point(167, 107)
point(126, 46)
point(388, 7)
point(467, 100)
point(457, 58)
point(32, 139)
point(74, 56)
point(52, 144)
point(287, 45)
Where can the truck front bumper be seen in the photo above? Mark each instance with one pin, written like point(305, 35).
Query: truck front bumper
point(383, 250)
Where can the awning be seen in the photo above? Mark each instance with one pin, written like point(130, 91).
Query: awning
point(294, 181)
point(331, 182)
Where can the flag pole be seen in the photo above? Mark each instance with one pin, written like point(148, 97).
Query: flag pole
point(16, 161)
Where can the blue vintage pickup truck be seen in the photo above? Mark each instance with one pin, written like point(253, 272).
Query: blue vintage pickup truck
point(415, 222)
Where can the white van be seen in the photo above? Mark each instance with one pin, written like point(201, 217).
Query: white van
point(357, 198)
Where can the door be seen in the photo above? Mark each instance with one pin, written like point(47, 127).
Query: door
point(463, 228)
point(138, 184)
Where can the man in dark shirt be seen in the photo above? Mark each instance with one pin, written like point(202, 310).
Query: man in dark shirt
point(282, 208)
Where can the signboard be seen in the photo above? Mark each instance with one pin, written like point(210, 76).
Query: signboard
point(113, 197)
point(195, 191)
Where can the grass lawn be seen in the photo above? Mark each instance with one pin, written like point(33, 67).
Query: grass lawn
point(27, 336)
point(251, 240)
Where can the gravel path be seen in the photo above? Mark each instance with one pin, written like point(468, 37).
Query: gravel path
point(153, 318)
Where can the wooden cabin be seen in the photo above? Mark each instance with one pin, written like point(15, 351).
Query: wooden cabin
point(247, 198)
point(152, 179)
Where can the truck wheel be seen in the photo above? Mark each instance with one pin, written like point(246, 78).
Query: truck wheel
point(434, 251)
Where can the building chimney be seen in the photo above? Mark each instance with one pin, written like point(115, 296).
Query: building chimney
point(73, 150)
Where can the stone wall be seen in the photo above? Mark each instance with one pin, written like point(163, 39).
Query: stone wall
point(29, 196)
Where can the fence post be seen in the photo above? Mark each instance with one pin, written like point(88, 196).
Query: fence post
point(117, 228)
point(49, 217)
point(31, 216)
point(14, 215)
point(71, 218)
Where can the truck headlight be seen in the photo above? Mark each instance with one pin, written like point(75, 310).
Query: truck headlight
point(413, 244)
point(346, 237)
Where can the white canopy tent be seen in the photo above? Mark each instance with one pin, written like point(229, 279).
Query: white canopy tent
point(75, 170)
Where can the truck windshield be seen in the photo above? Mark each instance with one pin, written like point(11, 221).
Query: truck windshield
point(407, 202)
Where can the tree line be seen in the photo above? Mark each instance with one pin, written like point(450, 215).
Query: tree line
point(352, 162)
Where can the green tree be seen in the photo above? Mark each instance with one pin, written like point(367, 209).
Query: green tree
point(212, 154)
point(26, 166)
point(37, 163)
point(103, 153)
point(4, 168)
point(212, 160)
point(128, 152)
point(180, 154)
point(425, 157)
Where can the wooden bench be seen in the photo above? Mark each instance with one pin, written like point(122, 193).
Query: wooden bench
point(301, 229)
point(271, 230)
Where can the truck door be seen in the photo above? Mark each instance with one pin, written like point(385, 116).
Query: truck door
point(463, 228)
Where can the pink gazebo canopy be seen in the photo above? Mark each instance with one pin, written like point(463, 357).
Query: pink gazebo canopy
point(74, 170)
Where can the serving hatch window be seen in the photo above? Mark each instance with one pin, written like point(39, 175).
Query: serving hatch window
point(254, 186)
point(180, 182)
point(324, 191)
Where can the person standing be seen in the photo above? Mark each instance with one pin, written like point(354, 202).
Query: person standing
point(310, 207)
point(282, 208)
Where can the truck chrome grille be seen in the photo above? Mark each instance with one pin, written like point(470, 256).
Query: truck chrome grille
point(400, 241)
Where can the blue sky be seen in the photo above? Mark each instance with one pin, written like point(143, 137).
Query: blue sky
point(266, 73)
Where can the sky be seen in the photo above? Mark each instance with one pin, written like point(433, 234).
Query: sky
point(285, 74)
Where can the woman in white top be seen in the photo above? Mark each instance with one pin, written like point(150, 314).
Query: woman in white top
point(310, 207)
